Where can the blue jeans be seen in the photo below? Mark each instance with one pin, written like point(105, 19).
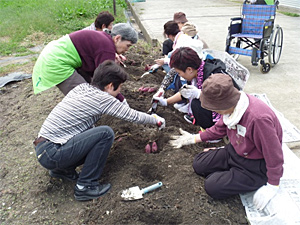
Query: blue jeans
point(89, 148)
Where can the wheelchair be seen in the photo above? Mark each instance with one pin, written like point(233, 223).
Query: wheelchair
point(254, 34)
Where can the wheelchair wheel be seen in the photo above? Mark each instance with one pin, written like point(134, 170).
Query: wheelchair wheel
point(237, 43)
point(265, 68)
point(275, 45)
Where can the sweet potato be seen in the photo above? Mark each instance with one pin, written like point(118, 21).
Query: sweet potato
point(141, 88)
point(152, 89)
point(145, 89)
point(147, 67)
point(154, 147)
point(148, 149)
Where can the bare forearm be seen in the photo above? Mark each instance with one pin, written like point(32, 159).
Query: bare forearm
point(173, 99)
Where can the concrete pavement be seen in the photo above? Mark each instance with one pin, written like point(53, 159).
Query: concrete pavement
point(281, 84)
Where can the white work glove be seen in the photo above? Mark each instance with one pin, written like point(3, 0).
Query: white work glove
point(184, 139)
point(161, 100)
point(160, 62)
point(160, 121)
point(159, 93)
point(263, 195)
point(190, 91)
point(154, 67)
point(252, 1)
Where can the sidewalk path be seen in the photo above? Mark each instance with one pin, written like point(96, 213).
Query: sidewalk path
point(281, 84)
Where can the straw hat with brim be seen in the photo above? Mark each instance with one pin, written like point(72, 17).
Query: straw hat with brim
point(218, 93)
point(179, 17)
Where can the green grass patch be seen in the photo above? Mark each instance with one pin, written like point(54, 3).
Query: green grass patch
point(11, 68)
point(21, 18)
point(289, 14)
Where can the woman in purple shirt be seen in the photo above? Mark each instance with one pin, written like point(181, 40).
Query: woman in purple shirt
point(253, 159)
point(72, 59)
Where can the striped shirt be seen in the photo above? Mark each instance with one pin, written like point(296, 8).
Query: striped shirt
point(81, 108)
point(91, 27)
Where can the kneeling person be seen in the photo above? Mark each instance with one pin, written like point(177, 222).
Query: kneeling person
point(253, 160)
point(69, 139)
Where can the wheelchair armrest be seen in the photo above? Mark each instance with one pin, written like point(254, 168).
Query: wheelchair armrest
point(236, 18)
point(235, 25)
point(267, 29)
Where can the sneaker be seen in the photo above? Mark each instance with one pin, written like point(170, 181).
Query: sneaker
point(179, 105)
point(189, 118)
point(89, 193)
point(70, 176)
point(184, 109)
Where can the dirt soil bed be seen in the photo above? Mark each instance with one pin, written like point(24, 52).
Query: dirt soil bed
point(30, 196)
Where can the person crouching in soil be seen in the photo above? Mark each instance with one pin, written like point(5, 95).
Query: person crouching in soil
point(186, 62)
point(68, 138)
point(72, 59)
point(253, 160)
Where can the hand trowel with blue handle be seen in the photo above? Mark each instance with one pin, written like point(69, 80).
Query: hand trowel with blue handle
point(135, 193)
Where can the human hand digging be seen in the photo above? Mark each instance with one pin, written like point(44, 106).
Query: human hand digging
point(184, 139)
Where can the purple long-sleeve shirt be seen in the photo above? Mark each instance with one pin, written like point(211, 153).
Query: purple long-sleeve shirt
point(93, 47)
point(258, 136)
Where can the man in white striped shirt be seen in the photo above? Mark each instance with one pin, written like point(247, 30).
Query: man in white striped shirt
point(103, 21)
point(69, 139)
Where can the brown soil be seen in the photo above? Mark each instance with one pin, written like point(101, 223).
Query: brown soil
point(29, 196)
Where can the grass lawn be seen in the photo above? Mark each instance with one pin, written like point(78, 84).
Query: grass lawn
point(20, 19)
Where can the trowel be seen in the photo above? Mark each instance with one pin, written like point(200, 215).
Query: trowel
point(135, 193)
point(154, 105)
point(152, 70)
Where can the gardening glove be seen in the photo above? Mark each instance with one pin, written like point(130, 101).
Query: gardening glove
point(154, 68)
point(263, 195)
point(160, 62)
point(161, 122)
point(184, 139)
point(159, 93)
point(190, 91)
point(161, 100)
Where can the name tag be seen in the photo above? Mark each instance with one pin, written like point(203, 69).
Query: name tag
point(241, 130)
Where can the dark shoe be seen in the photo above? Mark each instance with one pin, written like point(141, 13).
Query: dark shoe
point(89, 193)
point(189, 119)
point(70, 176)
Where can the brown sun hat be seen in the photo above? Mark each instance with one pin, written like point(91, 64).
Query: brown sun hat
point(180, 17)
point(218, 93)
point(189, 29)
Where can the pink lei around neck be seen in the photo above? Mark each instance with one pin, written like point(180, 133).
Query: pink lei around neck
point(200, 75)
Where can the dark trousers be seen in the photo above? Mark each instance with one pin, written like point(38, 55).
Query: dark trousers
point(90, 148)
point(229, 174)
point(203, 117)
point(78, 77)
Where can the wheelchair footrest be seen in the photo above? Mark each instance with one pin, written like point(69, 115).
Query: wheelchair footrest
point(242, 51)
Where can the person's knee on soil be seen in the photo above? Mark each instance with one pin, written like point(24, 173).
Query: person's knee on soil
point(214, 186)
